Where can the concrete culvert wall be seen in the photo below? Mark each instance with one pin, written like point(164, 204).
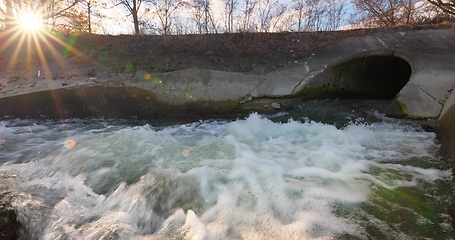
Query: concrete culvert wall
point(370, 77)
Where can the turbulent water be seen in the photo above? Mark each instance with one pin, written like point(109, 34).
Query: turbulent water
point(327, 170)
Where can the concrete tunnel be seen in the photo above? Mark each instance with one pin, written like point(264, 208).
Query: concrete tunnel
point(369, 77)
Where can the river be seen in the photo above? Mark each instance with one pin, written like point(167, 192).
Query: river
point(329, 169)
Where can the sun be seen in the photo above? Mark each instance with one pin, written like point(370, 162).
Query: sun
point(33, 51)
point(30, 22)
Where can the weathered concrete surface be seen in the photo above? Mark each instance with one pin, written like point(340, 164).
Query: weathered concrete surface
point(305, 71)
point(432, 57)
point(429, 53)
point(446, 130)
point(446, 133)
point(192, 92)
point(189, 85)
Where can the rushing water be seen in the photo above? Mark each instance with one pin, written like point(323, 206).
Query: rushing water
point(327, 170)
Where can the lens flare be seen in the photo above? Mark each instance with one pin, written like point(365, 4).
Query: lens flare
point(70, 143)
point(147, 76)
point(69, 46)
point(186, 152)
point(129, 66)
point(188, 95)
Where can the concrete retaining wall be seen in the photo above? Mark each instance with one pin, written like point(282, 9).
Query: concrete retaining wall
point(429, 53)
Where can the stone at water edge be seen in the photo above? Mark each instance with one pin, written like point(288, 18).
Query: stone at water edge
point(276, 105)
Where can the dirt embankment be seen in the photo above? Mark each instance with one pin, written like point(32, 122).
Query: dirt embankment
point(67, 56)
point(243, 52)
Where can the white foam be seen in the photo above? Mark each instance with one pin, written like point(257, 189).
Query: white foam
point(249, 178)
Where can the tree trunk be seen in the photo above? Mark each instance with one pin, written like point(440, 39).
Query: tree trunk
point(446, 6)
point(135, 18)
point(89, 9)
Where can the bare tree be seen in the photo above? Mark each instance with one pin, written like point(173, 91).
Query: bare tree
point(202, 15)
point(299, 8)
point(426, 12)
point(230, 7)
point(8, 13)
point(75, 20)
point(89, 4)
point(335, 11)
point(165, 10)
point(285, 23)
point(55, 10)
point(147, 26)
point(315, 12)
point(132, 6)
point(447, 6)
point(270, 12)
point(83, 17)
point(385, 13)
point(318, 15)
point(197, 14)
point(180, 27)
point(247, 13)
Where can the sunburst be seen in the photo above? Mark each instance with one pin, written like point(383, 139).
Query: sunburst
point(30, 21)
point(27, 45)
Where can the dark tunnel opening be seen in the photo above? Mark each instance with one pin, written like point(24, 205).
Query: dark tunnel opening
point(374, 76)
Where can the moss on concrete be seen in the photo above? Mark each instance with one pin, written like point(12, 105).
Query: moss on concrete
point(404, 108)
point(328, 91)
point(324, 91)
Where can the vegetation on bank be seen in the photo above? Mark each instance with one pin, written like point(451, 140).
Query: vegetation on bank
point(104, 55)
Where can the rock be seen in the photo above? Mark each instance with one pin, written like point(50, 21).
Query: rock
point(9, 227)
point(276, 105)
point(246, 99)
